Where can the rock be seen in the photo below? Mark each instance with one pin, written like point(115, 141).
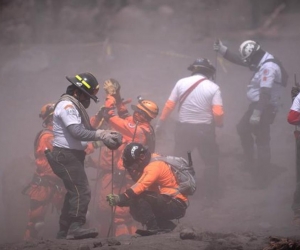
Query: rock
point(187, 233)
point(84, 247)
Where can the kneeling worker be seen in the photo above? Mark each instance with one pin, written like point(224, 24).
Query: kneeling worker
point(154, 199)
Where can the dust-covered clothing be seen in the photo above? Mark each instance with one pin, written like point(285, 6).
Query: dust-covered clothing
point(264, 92)
point(68, 158)
point(198, 115)
point(158, 176)
point(201, 104)
point(294, 113)
point(141, 132)
point(120, 181)
point(267, 76)
point(66, 114)
point(131, 130)
point(45, 188)
point(154, 198)
point(294, 119)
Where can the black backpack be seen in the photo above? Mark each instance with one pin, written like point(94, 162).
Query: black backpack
point(183, 172)
point(284, 74)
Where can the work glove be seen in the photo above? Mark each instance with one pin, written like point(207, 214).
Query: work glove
point(220, 47)
point(294, 92)
point(113, 199)
point(106, 113)
point(255, 117)
point(110, 138)
point(97, 144)
point(111, 86)
point(100, 113)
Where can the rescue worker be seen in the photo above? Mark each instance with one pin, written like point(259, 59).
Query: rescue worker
point(294, 119)
point(133, 128)
point(110, 177)
point(264, 95)
point(45, 188)
point(72, 130)
point(200, 110)
point(136, 127)
point(153, 199)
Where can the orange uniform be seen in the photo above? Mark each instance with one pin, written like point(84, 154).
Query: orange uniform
point(132, 130)
point(46, 188)
point(123, 222)
point(158, 177)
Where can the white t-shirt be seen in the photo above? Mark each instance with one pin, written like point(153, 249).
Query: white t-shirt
point(197, 107)
point(66, 114)
point(268, 76)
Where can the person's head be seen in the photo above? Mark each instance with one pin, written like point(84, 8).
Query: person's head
point(145, 110)
point(47, 114)
point(84, 87)
point(251, 53)
point(203, 66)
point(135, 158)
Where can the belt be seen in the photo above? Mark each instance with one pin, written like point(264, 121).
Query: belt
point(68, 149)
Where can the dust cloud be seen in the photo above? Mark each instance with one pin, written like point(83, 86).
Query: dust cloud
point(147, 46)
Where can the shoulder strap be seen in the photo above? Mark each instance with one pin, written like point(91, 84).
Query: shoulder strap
point(188, 91)
point(274, 60)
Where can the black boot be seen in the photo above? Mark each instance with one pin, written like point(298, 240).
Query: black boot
point(76, 232)
point(166, 225)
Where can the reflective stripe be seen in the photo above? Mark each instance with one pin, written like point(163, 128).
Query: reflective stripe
point(83, 81)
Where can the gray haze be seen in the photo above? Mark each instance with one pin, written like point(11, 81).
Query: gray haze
point(147, 46)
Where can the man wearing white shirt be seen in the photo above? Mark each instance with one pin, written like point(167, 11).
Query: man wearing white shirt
point(72, 130)
point(263, 92)
point(200, 109)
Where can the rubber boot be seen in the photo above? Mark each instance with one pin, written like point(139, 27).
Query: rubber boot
point(76, 232)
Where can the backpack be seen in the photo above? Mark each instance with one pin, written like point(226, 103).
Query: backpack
point(284, 74)
point(183, 172)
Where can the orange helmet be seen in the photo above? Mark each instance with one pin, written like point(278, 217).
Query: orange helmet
point(47, 111)
point(149, 107)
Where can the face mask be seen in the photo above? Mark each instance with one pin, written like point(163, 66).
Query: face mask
point(86, 103)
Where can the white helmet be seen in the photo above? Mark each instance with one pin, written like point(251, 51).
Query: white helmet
point(247, 49)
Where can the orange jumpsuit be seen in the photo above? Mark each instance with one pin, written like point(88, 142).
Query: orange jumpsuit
point(45, 189)
point(123, 222)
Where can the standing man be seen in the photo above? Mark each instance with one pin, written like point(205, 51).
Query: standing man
point(72, 130)
point(200, 110)
point(294, 119)
point(264, 94)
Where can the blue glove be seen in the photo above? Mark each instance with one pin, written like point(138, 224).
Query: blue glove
point(113, 199)
point(255, 117)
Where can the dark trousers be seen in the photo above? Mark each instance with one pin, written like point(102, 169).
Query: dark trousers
point(151, 206)
point(256, 135)
point(203, 138)
point(69, 166)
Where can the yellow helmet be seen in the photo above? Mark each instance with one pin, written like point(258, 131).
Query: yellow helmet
point(149, 107)
point(47, 111)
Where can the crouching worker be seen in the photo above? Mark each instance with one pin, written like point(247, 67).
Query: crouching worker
point(154, 199)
